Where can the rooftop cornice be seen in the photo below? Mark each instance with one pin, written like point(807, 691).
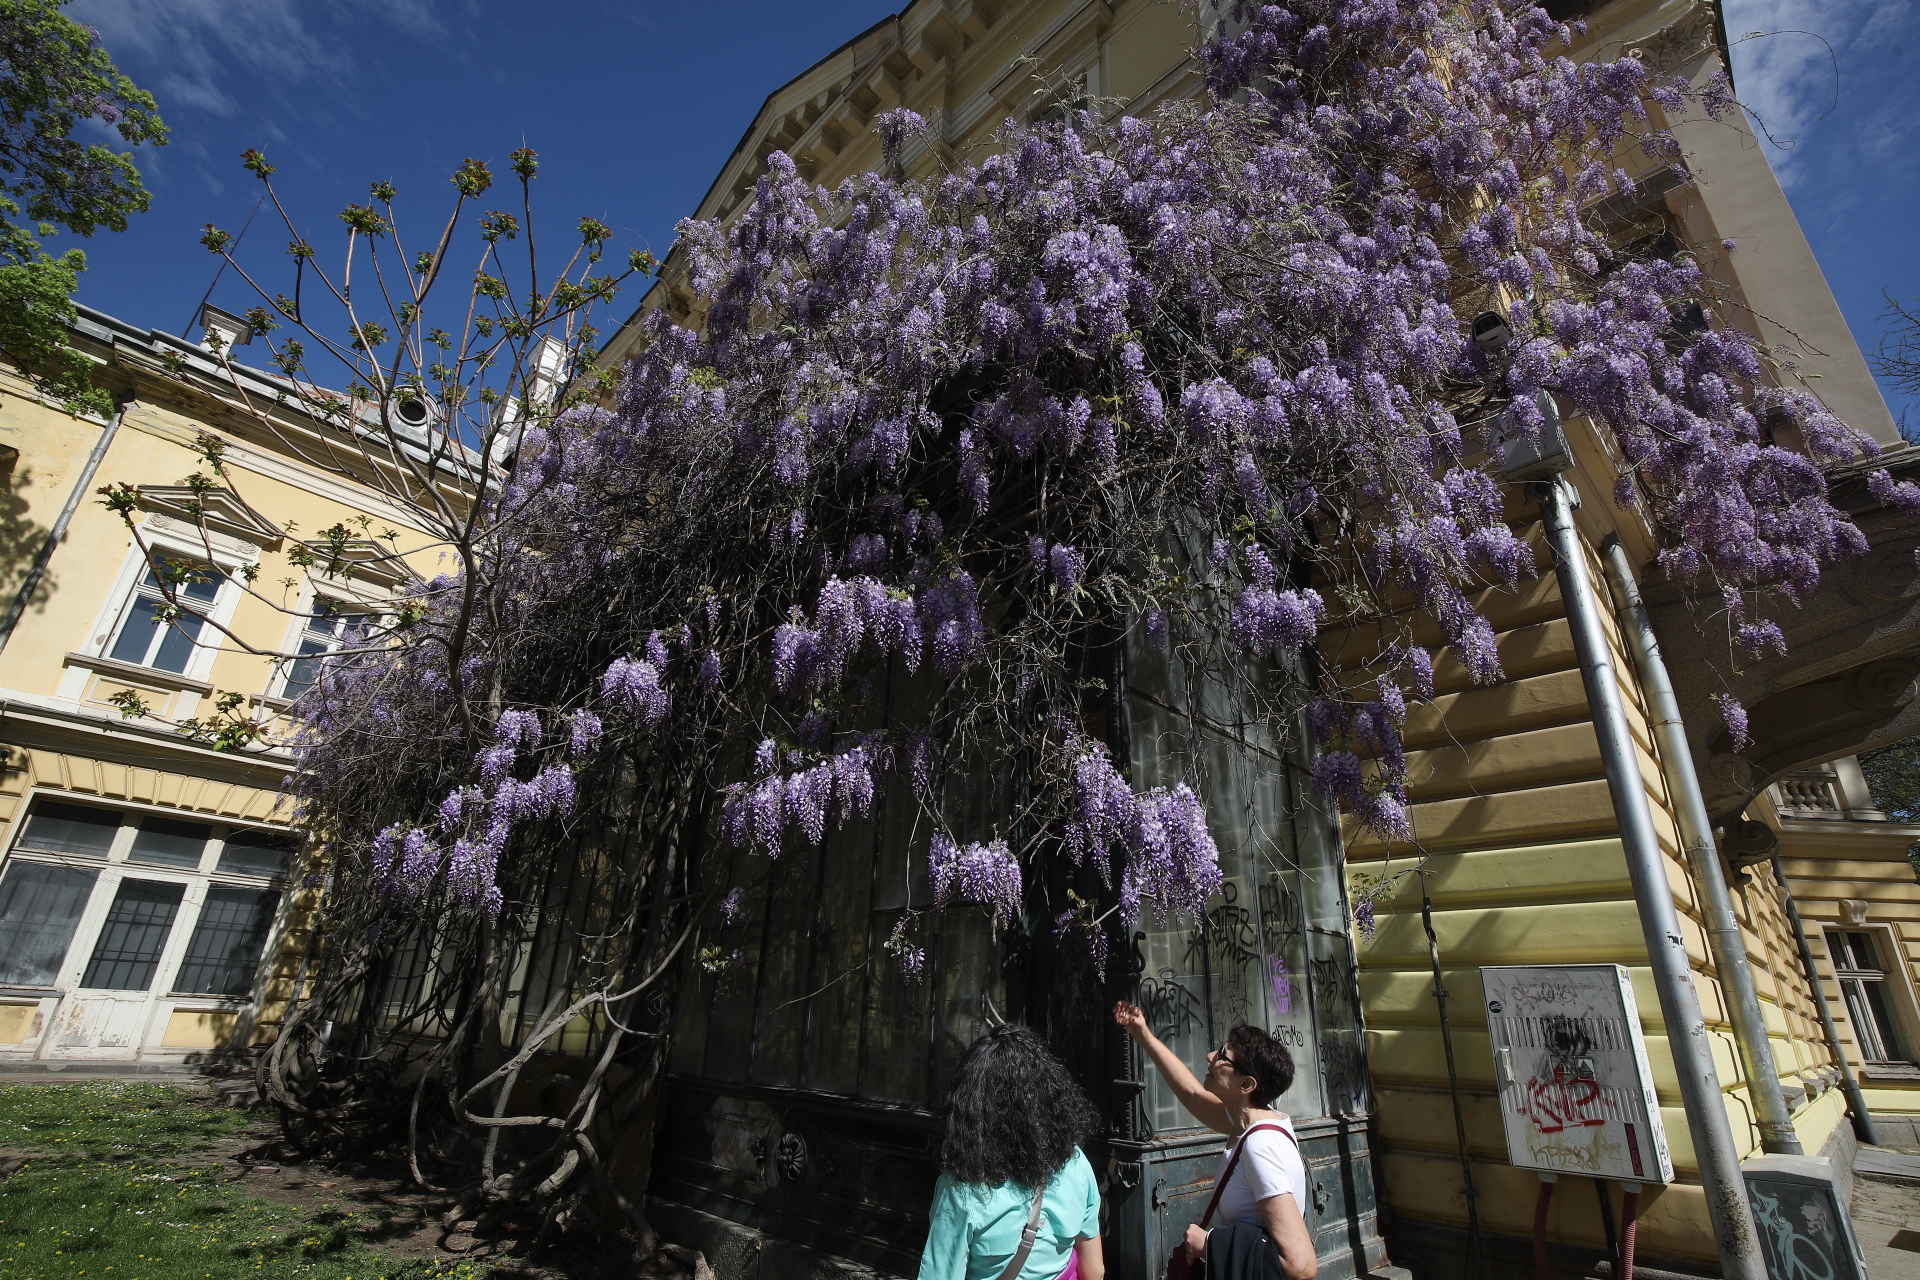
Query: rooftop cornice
point(159, 362)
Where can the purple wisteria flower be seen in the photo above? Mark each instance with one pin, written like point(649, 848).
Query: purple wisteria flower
point(1734, 717)
point(837, 787)
point(1157, 630)
point(1264, 619)
point(1206, 351)
point(909, 959)
point(896, 128)
point(987, 874)
point(494, 763)
point(583, 732)
point(384, 849)
point(634, 685)
point(1158, 839)
point(1364, 919)
point(517, 729)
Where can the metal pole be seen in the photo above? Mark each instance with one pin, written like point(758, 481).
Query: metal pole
point(1856, 1101)
point(1706, 1107)
point(59, 530)
point(1777, 1135)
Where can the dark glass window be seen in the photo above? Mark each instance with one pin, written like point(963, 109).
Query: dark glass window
point(334, 626)
point(257, 853)
point(39, 907)
point(1272, 947)
point(168, 842)
point(1863, 983)
point(146, 641)
point(130, 941)
point(808, 994)
point(226, 944)
point(70, 828)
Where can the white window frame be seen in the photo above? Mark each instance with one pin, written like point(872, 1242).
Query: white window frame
point(230, 560)
point(1897, 990)
point(117, 866)
point(339, 589)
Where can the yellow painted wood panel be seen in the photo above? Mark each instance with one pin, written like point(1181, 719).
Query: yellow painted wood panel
point(1526, 651)
point(18, 1022)
point(1561, 754)
point(1513, 817)
point(189, 1030)
point(1143, 51)
point(1514, 706)
point(1517, 874)
point(1672, 1220)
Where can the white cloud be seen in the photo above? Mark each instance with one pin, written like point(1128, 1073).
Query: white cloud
point(1826, 80)
point(186, 52)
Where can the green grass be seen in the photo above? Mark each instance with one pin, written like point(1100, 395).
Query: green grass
point(124, 1211)
point(109, 1118)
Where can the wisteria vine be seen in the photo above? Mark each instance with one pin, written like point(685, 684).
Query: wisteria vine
point(1198, 385)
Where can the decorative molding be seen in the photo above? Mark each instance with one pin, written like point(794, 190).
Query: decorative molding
point(184, 532)
point(362, 559)
point(219, 509)
point(136, 674)
point(1855, 910)
point(1678, 43)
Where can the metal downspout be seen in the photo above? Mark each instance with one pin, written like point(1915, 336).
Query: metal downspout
point(1777, 1135)
point(1705, 1105)
point(1856, 1101)
point(58, 533)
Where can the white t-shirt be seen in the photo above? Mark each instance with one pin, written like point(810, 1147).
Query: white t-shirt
point(1269, 1166)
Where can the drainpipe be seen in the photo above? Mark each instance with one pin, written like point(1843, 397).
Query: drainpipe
point(1856, 1101)
point(1777, 1136)
point(59, 530)
point(1705, 1105)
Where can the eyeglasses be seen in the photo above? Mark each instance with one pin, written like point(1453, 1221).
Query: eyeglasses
point(1221, 1055)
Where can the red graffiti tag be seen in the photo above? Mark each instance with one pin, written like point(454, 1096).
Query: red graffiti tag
point(1559, 1103)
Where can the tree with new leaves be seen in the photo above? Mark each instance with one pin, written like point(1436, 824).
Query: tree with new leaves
point(1897, 357)
point(425, 419)
point(54, 76)
point(949, 465)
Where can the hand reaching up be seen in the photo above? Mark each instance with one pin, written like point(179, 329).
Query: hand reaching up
point(1130, 1019)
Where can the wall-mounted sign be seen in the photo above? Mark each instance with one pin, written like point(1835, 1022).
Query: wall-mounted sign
point(1576, 1093)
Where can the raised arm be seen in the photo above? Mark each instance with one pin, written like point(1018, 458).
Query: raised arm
point(1200, 1104)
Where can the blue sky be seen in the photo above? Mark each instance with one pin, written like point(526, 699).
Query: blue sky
point(634, 106)
point(1837, 83)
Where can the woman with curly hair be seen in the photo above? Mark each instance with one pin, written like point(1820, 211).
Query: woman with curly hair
point(1016, 1199)
point(1263, 1180)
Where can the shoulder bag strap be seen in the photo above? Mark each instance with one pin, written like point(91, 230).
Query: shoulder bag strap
point(1026, 1237)
point(1234, 1163)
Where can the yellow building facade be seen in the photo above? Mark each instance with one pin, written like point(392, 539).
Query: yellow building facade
point(1518, 858)
point(154, 894)
point(1857, 887)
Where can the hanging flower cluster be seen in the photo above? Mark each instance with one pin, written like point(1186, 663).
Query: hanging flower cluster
point(987, 874)
point(1186, 389)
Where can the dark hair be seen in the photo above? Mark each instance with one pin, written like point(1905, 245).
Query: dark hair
point(1257, 1054)
point(1012, 1113)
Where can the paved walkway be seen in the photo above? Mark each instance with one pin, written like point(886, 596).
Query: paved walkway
point(1886, 1211)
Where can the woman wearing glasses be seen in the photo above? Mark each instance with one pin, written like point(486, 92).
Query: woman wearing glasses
point(1265, 1178)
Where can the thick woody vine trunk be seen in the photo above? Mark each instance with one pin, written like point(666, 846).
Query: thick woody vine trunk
point(403, 1034)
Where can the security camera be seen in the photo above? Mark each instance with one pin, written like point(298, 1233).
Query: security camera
point(1491, 331)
